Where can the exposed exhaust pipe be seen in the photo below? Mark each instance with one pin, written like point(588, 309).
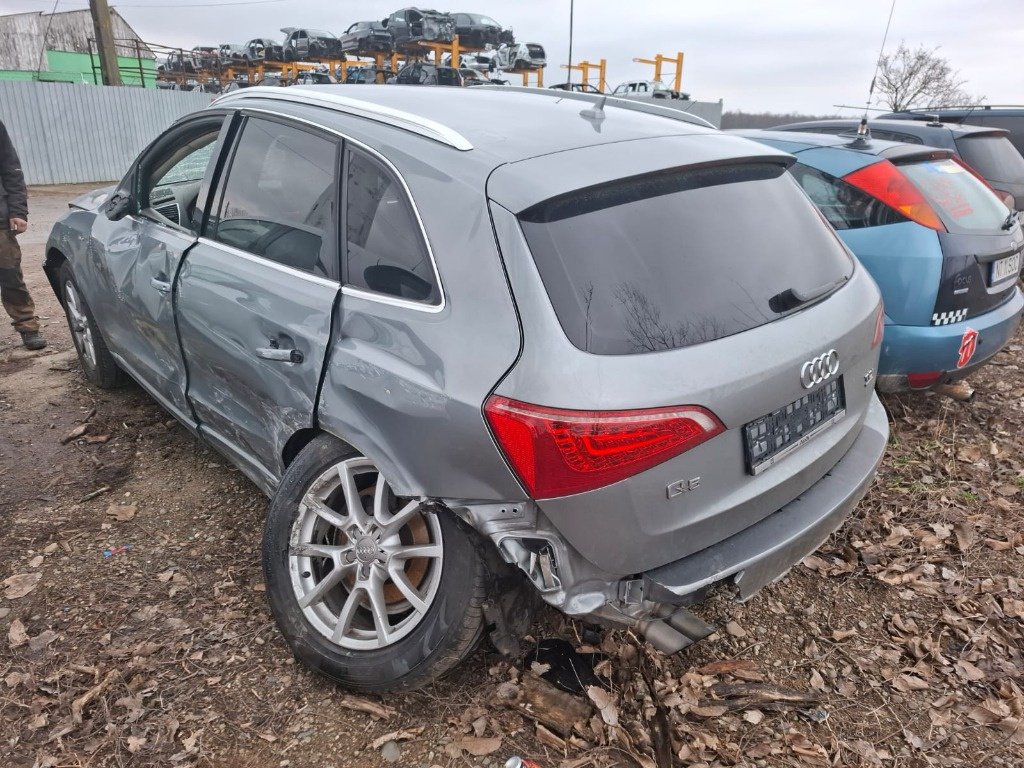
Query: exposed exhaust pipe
point(958, 391)
point(676, 632)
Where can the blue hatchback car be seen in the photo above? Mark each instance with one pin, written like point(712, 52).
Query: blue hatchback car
point(944, 250)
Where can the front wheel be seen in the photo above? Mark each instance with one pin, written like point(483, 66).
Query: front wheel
point(97, 362)
point(371, 590)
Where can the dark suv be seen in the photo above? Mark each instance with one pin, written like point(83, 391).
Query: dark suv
point(988, 115)
point(366, 38)
point(411, 25)
point(987, 150)
point(419, 73)
point(476, 30)
point(303, 44)
point(610, 367)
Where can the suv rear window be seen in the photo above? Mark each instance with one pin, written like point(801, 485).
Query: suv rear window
point(994, 157)
point(679, 258)
point(960, 199)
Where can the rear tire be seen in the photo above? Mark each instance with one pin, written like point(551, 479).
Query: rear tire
point(97, 362)
point(349, 595)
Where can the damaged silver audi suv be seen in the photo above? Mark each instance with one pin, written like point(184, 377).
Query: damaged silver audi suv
point(604, 354)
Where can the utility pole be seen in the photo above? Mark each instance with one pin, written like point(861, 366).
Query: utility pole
point(105, 42)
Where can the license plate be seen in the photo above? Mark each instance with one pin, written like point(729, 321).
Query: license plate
point(1004, 268)
point(779, 433)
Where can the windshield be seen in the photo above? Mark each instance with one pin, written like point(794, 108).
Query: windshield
point(961, 200)
point(487, 21)
point(679, 258)
point(994, 157)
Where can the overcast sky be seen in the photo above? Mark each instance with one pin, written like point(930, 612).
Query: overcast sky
point(756, 55)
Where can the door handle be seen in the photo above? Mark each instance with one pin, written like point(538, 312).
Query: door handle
point(161, 285)
point(280, 355)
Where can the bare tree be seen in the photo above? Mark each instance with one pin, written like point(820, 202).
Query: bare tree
point(919, 78)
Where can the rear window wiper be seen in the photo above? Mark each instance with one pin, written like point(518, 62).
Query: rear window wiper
point(791, 298)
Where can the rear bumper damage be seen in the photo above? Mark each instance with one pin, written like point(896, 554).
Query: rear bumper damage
point(653, 602)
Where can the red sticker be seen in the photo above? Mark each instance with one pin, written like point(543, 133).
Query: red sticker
point(968, 345)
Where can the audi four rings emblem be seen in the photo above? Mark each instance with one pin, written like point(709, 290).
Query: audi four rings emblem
point(822, 368)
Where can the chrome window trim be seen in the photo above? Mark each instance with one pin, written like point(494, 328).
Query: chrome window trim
point(406, 121)
point(351, 290)
point(262, 260)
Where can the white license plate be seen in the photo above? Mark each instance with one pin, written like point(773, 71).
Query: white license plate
point(1004, 268)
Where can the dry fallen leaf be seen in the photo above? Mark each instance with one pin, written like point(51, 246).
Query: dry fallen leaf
point(17, 635)
point(21, 584)
point(603, 701)
point(121, 512)
point(479, 747)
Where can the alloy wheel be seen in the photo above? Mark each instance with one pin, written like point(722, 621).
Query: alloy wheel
point(81, 331)
point(364, 564)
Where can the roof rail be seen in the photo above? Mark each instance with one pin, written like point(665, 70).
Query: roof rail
point(593, 98)
point(406, 121)
point(960, 106)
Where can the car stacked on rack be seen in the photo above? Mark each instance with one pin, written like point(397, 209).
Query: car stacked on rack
point(402, 31)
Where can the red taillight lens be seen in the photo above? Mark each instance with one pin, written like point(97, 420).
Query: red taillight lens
point(885, 181)
point(922, 380)
point(558, 452)
point(879, 326)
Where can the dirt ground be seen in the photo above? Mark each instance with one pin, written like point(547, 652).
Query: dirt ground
point(899, 643)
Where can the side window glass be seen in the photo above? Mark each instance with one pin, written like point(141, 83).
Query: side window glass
point(845, 206)
point(279, 201)
point(385, 249)
point(171, 179)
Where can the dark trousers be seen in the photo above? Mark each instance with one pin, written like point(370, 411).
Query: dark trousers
point(13, 293)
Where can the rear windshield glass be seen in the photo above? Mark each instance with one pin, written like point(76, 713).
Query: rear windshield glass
point(674, 259)
point(962, 201)
point(994, 157)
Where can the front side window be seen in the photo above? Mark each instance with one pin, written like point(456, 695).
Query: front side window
point(172, 176)
point(279, 201)
point(385, 249)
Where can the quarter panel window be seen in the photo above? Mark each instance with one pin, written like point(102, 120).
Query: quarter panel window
point(385, 249)
point(845, 206)
point(279, 201)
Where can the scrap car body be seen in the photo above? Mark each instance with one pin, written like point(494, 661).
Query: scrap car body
point(445, 407)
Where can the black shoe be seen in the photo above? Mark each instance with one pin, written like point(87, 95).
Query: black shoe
point(32, 340)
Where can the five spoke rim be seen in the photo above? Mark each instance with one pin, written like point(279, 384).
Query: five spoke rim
point(365, 565)
point(81, 331)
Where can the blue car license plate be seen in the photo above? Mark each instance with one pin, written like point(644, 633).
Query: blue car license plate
point(1004, 268)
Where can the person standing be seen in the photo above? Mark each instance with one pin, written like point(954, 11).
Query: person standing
point(13, 221)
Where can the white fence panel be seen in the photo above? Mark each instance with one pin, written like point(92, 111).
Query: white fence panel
point(68, 133)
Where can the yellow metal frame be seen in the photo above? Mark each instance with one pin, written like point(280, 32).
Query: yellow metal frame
point(659, 60)
point(584, 68)
point(526, 77)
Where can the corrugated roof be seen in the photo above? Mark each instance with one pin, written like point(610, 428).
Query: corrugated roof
point(22, 37)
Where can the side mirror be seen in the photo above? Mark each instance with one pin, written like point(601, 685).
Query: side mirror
point(118, 206)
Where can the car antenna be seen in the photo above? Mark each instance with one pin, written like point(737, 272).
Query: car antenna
point(863, 133)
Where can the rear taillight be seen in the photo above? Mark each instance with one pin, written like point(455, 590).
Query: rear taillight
point(559, 452)
point(885, 182)
point(879, 326)
point(922, 380)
